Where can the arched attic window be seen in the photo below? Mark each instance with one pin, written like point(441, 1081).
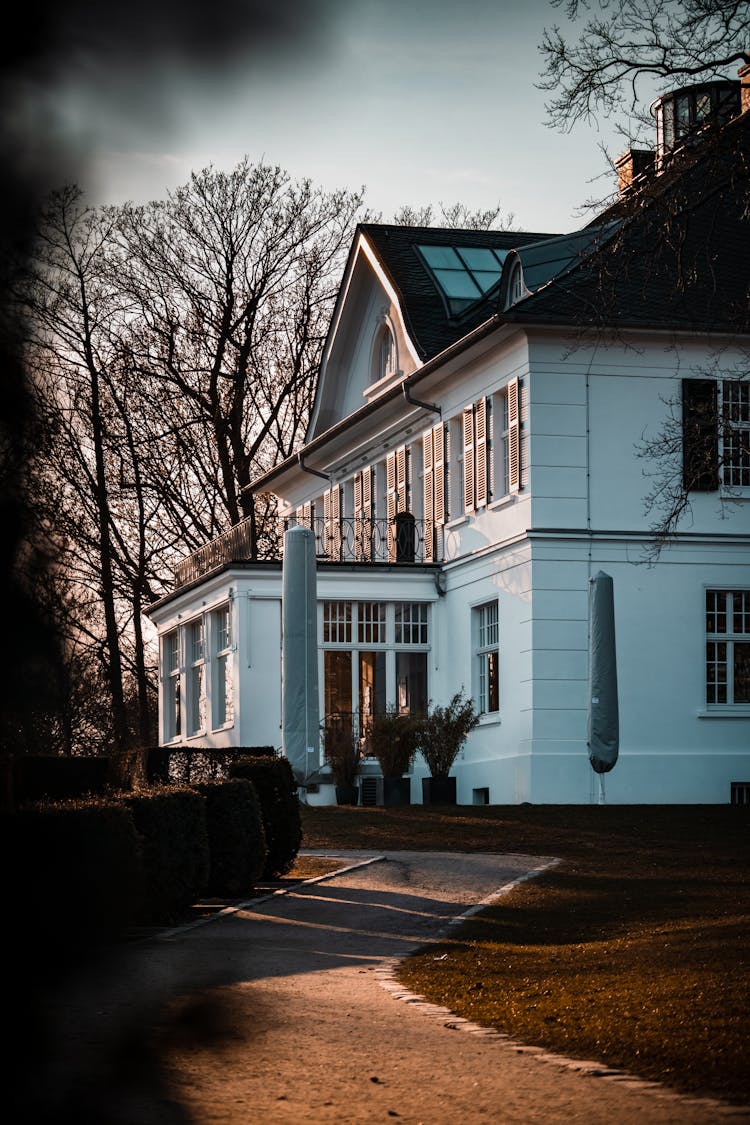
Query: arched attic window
point(516, 287)
point(384, 354)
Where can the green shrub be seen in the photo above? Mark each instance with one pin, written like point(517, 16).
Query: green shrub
point(393, 738)
point(444, 732)
point(277, 793)
point(236, 839)
point(176, 765)
point(72, 878)
point(171, 827)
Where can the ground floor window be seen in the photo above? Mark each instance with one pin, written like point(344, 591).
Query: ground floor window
point(198, 675)
point(727, 646)
point(171, 685)
point(386, 666)
point(487, 634)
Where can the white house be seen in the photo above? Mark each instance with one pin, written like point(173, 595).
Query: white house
point(472, 461)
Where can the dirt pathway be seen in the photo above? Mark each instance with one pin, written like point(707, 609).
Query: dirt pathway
point(278, 1013)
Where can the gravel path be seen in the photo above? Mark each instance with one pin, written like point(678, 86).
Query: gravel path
point(286, 1010)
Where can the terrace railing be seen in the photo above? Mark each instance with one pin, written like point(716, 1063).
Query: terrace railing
point(403, 540)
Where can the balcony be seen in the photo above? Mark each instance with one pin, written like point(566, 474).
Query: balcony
point(402, 540)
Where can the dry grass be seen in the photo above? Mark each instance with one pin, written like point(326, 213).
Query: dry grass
point(634, 951)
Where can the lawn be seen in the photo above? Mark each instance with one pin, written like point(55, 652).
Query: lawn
point(634, 951)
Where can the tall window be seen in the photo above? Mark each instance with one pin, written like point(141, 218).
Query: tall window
point(171, 666)
point(374, 656)
point(223, 681)
point(196, 696)
point(487, 655)
point(736, 433)
point(715, 434)
point(727, 646)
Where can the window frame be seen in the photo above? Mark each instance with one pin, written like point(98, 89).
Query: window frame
point(727, 638)
point(486, 644)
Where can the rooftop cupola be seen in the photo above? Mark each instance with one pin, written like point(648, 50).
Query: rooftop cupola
point(683, 115)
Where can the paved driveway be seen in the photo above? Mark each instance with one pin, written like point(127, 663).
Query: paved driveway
point(286, 1011)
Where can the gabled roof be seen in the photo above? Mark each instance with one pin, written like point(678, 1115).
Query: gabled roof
point(428, 319)
point(678, 253)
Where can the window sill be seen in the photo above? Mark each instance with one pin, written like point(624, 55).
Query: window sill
point(728, 711)
point(489, 719)
point(502, 502)
point(224, 726)
point(456, 522)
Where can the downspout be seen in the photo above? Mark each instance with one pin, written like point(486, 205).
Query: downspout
point(305, 469)
point(416, 402)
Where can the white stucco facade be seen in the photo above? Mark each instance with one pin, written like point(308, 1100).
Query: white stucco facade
point(518, 449)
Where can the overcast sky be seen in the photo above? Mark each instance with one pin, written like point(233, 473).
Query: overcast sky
point(420, 101)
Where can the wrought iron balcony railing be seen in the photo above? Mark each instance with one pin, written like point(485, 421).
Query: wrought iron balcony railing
point(403, 540)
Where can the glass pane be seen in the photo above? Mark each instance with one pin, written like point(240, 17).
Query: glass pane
point(742, 672)
point(371, 684)
point(196, 638)
point(493, 682)
point(171, 652)
point(337, 622)
point(702, 106)
point(371, 623)
point(457, 283)
point(441, 256)
point(337, 683)
point(411, 682)
point(485, 279)
point(411, 623)
point(478, 258)
point(741, 611)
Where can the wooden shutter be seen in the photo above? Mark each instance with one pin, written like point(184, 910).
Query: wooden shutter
point(332, 520)
point(429, 497)
point(700, 435)
point(438, 472)
point(468, 429)
point(367, 512)
point(359, 530)
point(480, 455)
point(391, 502)
point(514, 435)
point(402, 479)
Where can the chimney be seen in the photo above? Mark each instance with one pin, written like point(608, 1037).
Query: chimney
point(744, 76)
point(633, 167)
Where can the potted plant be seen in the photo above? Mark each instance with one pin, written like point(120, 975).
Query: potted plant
point(444, 731)
point(342, 753)
point(393, 738)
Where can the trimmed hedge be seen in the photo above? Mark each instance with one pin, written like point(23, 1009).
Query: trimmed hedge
point(72, 878)
point(176, 765)
point(50, 777)
point(277, 793)
point(171, 827)
point(236, 839)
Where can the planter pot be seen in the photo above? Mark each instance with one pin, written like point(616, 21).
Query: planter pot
point(438, 790)
point(394, 791)
point(347, 795)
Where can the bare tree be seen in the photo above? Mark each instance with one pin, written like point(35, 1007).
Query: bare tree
point(455, 216)
point(173, 351)
point(230, 283)
point(603, 66)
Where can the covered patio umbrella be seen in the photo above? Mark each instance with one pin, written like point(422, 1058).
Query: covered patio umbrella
point(603, 714)
point(299, 653)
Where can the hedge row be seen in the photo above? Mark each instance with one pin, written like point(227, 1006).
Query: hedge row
point(83, 871)
point(36, 777)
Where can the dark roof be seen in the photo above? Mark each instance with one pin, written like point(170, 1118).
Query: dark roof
point(428, 320)
point(678, 256)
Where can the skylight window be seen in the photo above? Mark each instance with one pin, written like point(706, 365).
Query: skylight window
point(463, 273)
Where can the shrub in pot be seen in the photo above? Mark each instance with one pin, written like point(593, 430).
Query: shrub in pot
point(342, 753)
point(443, 733)
point(394, 738)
